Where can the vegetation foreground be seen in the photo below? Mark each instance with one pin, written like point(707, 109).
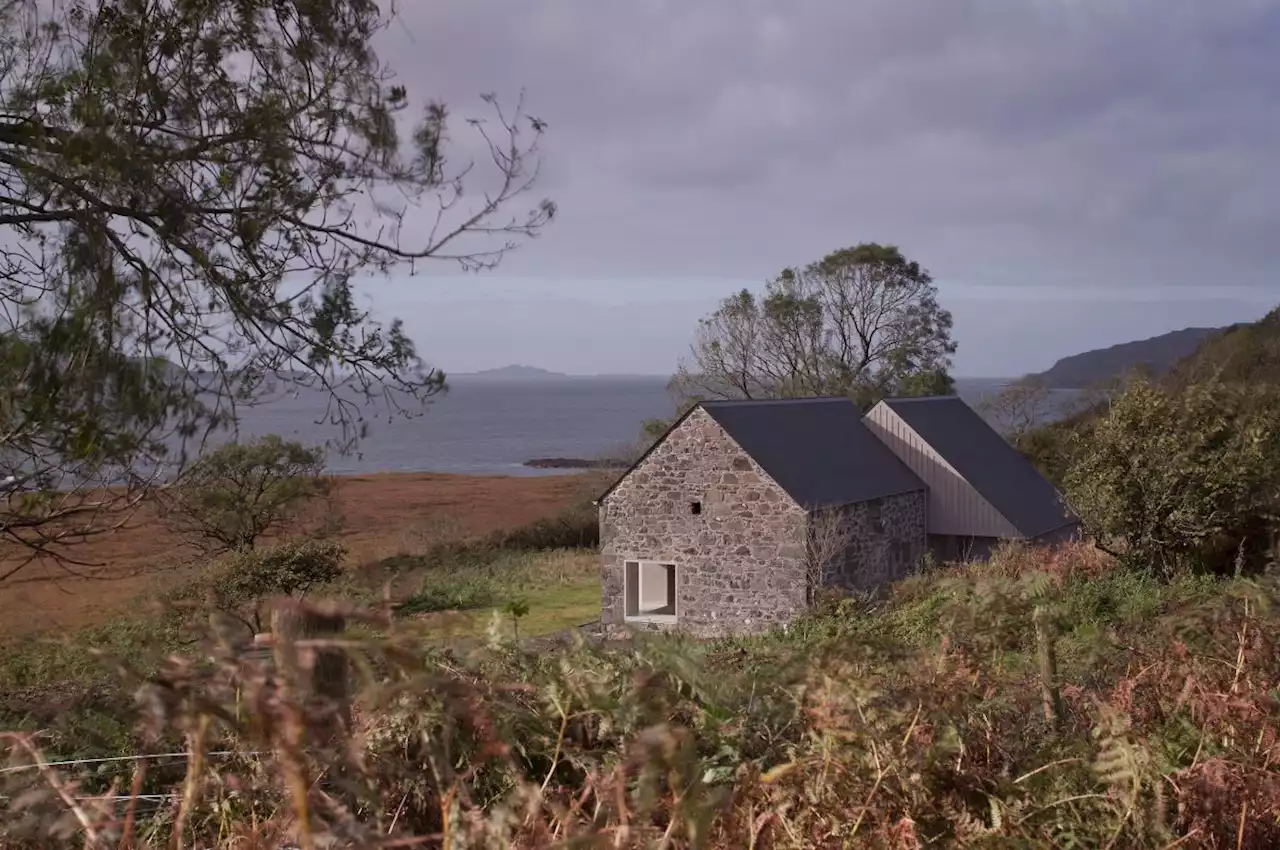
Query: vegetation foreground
point(920, 719)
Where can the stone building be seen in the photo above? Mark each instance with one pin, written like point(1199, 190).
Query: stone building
point(743, 509)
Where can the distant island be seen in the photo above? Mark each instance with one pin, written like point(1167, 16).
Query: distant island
point(1157, 355)
point(512, 373)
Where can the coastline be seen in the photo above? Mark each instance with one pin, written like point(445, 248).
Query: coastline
point(576, 464)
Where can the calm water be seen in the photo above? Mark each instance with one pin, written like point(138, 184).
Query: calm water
point(491, 428)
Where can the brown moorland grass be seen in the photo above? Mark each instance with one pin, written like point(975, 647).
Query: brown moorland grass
point(910, 720)
point(382, 515)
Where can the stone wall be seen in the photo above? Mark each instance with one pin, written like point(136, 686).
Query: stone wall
point(870, 543)
point(739, 560)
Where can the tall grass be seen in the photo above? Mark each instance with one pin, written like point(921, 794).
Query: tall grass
point(901, 722)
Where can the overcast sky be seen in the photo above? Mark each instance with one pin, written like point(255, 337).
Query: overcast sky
point(1074, 173)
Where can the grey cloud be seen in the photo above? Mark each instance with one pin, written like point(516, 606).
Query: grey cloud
point(1036, 141)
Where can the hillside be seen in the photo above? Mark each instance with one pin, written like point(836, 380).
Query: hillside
point(1158, 355)
point(1246, 353)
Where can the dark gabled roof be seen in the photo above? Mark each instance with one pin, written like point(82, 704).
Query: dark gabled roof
point(997, 470)
point(817, 449)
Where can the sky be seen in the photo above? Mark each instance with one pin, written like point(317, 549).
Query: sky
point(1074, 173)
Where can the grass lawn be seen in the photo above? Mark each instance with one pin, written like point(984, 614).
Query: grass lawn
point(558, 590)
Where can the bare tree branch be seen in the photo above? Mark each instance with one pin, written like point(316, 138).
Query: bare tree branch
point(1020, 407)
point(828, 537)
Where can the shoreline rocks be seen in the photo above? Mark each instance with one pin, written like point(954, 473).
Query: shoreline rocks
point(574, 463)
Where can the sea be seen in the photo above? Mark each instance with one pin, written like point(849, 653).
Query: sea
point(492, 427)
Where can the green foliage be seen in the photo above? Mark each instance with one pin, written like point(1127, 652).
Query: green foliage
point(66, 661)
point(1051, 447)
point(468, 580)
point(1246, 354)
point(463, 594)
point(1182, 478)
point(243, 581)
point(191, 189)
point(830, 735)
point(239, 492)
point(576, 527)
point(516, 609)
point(862, 322)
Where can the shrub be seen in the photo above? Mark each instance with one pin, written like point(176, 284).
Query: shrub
point(576, 527)
point(240, 492)
point(461, 595)
point(1187, 477)
point(242, 582)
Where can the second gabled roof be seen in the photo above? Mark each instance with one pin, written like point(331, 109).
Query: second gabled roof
point(817, 449)
point(998, 471)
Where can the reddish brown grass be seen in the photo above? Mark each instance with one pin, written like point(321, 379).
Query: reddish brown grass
point(383, 515)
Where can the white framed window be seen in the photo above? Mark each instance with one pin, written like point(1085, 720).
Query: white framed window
point(650, 591)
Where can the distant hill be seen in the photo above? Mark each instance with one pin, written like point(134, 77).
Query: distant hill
point(1157, 355)
point(1244, 353)
point(511, 373)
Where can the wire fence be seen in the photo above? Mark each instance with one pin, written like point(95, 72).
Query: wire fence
point(158, 799)
point(109, 759)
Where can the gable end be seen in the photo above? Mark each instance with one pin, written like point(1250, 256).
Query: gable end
point(640, 460)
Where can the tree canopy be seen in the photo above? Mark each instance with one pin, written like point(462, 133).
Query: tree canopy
point(1179, 477)
point(863, 322)
point(1247, 353)
point(235, 495)
point(203, 183)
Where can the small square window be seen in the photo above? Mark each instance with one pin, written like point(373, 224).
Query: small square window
point(695, 508)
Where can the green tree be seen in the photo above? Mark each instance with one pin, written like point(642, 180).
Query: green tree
point(1171, 479)
point(863, 322)
point(245, 581)
point(234, 495)
point(201, 184)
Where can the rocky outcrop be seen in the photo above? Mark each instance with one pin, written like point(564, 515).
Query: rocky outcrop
point(574, 463)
